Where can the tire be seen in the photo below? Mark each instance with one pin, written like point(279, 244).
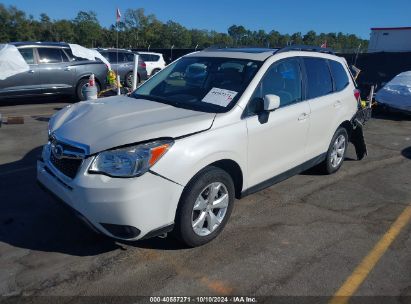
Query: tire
point(335, 156)
point(129, 79)
point(155, 71)
point(79, 87)
point(186, 216)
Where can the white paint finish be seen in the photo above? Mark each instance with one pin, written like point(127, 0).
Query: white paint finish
point(153, 65)
point(292, 135)
point(279, 144)
point(227, 139)
point(102, 199)
point(327, 113)
point(120, 120)
point(390, 40)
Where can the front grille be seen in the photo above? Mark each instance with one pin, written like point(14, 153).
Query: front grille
point(67, 166)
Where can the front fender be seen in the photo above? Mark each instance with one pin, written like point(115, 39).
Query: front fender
point(191, 154)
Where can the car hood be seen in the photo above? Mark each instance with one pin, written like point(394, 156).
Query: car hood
point(120, 120)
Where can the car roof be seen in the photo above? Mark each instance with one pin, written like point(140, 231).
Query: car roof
point(39, 43)
point(112, 50)
point(150, 53)
point(260, 54)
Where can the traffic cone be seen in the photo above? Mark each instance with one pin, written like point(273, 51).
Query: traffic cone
point(91, 80)
point(90, 90)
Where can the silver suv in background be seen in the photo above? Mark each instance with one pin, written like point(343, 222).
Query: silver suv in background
point(154, 62)
point(53, 70)
point(122, 63)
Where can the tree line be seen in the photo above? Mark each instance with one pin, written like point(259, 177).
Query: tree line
point(140, 30)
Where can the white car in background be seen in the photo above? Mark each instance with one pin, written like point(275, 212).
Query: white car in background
point(154, 62)
point(211, 127)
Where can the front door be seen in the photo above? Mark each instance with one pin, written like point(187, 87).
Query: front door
point(278, 144)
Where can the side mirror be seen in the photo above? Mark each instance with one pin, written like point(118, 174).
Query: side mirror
point(271, 102)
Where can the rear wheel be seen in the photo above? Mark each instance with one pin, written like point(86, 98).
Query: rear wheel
point(155, 71)
point(129, 79)
point(205, 207)
point(336, 151)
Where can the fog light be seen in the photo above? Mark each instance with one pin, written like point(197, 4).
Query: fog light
point(122, 231)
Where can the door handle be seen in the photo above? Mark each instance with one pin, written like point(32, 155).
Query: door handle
point(67, 69)
point(31, 71)
point(337, 104)
point(303, 116)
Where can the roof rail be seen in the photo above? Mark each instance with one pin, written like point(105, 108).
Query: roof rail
point(306, 48)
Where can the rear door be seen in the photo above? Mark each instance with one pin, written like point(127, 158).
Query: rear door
point(56, 70)
point(150, 64)
point(324, 104)
point(22, 84)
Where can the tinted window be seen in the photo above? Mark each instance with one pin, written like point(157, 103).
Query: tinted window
point(129, 57)
point(50, 55)
point(339, 75)
point(112, 57)
point(283, 79)
point(146, 57)
point(319, 82)
point(155, 57)
point(27, 55)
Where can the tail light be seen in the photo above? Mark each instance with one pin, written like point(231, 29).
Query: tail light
point(142, 64)
point(357, 95)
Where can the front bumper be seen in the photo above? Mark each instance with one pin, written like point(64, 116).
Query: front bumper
point(147, 203)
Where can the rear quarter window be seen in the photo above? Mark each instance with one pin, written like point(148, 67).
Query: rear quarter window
point(339, 74)
point(319, 81)
point(27, 54)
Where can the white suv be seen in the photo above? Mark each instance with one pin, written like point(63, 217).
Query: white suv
point(213, 126)
point(154, 62)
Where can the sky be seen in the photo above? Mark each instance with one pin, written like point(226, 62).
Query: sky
point(348, 16)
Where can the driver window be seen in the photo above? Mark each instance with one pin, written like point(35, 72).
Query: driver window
point(283, 79)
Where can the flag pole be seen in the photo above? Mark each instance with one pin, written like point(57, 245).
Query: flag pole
point(118, 16)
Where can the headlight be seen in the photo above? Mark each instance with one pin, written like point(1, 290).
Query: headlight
point(130, 161)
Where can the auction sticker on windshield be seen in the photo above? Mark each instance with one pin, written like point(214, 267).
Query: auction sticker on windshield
point(220, 97)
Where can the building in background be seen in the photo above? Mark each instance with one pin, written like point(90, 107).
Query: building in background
point(390, 39)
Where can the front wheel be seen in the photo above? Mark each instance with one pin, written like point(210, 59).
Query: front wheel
point(336, 151)
point(205, 207)
point(81, 85)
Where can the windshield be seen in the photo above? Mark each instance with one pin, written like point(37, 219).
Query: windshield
point(206, 84)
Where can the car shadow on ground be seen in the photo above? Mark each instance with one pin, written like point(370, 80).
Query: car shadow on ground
point(37, 100)
point(32, 219)
point(406, 152)
point(385, 114)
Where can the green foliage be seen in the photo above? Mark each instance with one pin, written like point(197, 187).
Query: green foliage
point(139, 30)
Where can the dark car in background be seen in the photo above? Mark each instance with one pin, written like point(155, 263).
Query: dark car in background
point(121, 61)
point(53, 70)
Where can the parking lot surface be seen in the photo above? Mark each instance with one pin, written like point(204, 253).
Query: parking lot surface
point(302, 237)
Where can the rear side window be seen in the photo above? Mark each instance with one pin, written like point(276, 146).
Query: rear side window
point(129, 57)
point(155, 58)
point(50, 55)
point(146, 57)
point(112, 57)
point(150, 57)
point(27, 55)
point(339, 75)
point(319, 81)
